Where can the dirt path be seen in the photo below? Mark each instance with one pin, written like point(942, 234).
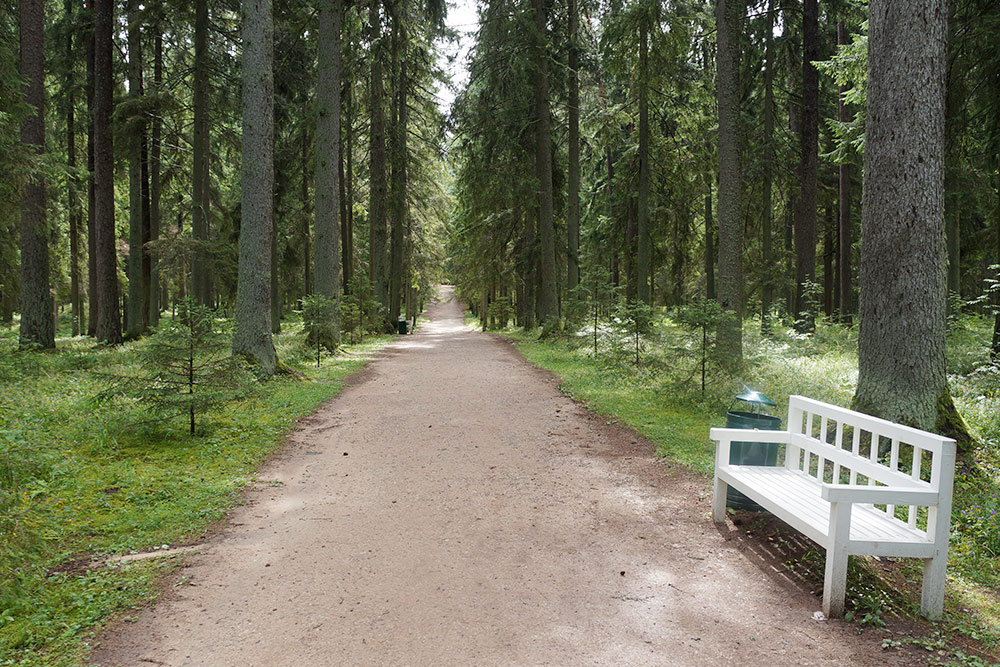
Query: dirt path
point(451, 507)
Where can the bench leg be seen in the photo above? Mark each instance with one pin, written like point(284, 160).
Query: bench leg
point(835, 578)
point(932, 592)
point(719, 493)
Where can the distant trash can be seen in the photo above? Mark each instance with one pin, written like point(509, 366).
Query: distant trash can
point(753, 416)
point(402, 324)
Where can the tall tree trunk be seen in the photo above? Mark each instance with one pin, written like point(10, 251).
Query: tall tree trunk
point(36, 301)
point(543, 169)
point(805, 215)
point(307, 282)
point(275, 282)
point(200, 200)
point(347, 187)
point(92, 289)
point(767, 254)
point(845, 228)
point(710, 291)
point(573, 184)
point(155, 305)
point(901, 345)
point(954, 126)
point(137, 125)
point(109, 325)
point(642, 215)
point(829, 251)
point(729, 21)
point(397, 186)
point(377, 165)
point(252, 337)
point(327, 223)
point(73, 183)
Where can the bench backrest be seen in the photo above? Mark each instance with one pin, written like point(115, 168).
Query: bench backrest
point(841, 446)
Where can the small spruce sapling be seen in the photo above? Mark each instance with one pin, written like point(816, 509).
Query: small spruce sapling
point(701, 316)
point(317, 320)
point(187, 367)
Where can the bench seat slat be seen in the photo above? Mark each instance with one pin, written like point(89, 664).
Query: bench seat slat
point(779, 490)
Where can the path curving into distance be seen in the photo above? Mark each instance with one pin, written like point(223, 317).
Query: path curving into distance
point(451, 507)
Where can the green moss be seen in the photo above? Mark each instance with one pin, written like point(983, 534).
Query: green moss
point(81, 480)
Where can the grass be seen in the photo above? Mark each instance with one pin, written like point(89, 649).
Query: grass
point(80, 481)
point(662, 399)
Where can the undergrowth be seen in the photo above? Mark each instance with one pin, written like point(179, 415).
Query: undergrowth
point(81, 481)
point(662, 398)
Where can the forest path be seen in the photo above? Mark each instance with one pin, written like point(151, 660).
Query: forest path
point(451, 507)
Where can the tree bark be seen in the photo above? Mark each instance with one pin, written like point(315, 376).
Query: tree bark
point(954, 126)
point(543, 170)
point(36, 301)
point(200, 202)
point(155, 305)
point(710, 291)
point(109, 325)
point(845, 228)
point(729, 20)
point(377, 213)
point(137, 125)
point(327, 223)
point(73, 183)
point(307, 282)
point(347, 187)
point(92, 289)
point(767, 254)
point(252, 337)
point(901, 345)
point(642, 214)
point(805, 214)
point(573, 184)
point(397, 187)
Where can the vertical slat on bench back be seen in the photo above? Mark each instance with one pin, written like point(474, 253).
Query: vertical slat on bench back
point(918, 456)
point(793, 454)
point(894, 464)
point(856, 450)
point(820, 461)
point(838, 442)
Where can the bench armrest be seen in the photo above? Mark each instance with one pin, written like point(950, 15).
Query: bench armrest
point(878, 495)
point(748, 435)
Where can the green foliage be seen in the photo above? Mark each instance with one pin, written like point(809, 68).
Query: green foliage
point(849, 68)
point(501, 311)
point(355, 307)
point(186, 368)
point(702, 317)
point(318, 318)
point(75, 487)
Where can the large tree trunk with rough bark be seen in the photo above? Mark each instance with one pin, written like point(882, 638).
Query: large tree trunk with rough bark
point(137, 126)
point(543, 169)
point(377, 213)
point(327, 223)
point(252, 338)
point(642, 214)
point(729, 20)
point(901, 346)
point(767, 224)
point(805, 212)
point(397, 186)
point(109, 325)
point(845, 229)
point(573, 166)
point(72, 183)
point(201, 290)
point(92, 290)
point(37, 327)
point(155, 303)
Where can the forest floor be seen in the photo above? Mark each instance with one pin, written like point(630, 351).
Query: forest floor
point(451, 506)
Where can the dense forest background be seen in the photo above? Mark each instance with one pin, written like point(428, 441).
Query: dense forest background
point(590, 158)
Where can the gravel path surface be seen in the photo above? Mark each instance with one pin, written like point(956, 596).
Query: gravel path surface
point(451, 507)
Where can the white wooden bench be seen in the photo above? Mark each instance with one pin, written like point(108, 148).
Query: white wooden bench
point(855, 485)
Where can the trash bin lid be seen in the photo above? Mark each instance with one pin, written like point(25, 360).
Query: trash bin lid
point(751, 396)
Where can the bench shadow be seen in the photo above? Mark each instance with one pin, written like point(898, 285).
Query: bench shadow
point(792, 560)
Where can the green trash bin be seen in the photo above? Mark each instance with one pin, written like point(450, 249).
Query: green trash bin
point(402, 324)
point(752, 416)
